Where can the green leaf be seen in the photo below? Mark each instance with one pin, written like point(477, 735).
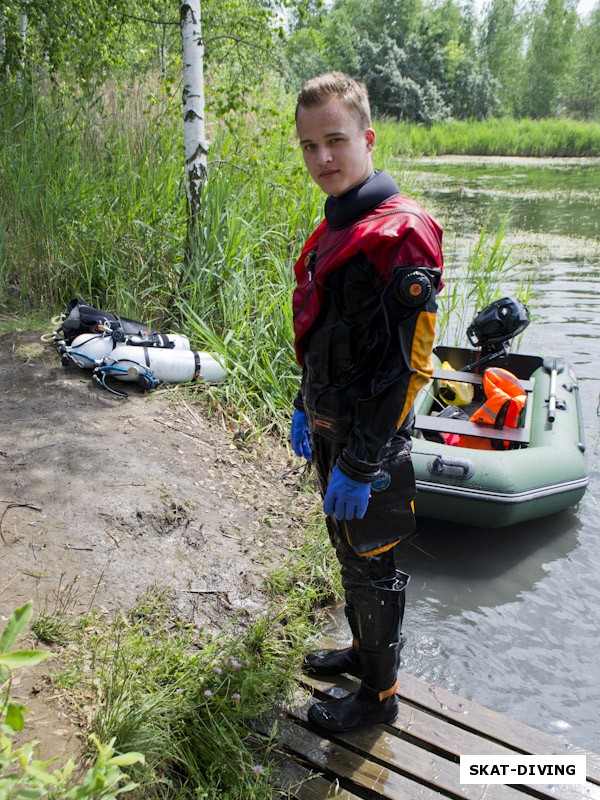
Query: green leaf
point(23, 658)
point(14, 715)
point(15, 626)
point(36, 770)
point(127, 759)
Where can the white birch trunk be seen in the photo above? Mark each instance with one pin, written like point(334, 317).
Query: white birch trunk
point(23, 37)
point(2, 40)
point(195, 145)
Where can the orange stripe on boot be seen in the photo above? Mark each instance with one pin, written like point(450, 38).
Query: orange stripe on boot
point(388, 692)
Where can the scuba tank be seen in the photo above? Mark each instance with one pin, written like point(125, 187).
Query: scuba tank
point(152, 339)
point(88, 350)
point(150, 365)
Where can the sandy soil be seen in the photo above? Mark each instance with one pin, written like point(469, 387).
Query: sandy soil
point(116, 495)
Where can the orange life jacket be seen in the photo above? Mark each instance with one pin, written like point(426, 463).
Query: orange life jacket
point(505, 399)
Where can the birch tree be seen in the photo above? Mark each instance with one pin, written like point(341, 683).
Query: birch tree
point(195, 145)
point(23, 38)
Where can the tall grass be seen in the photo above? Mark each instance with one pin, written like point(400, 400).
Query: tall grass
point(494, 137)
point(90, 202)
point(237, 293)
point(490, 269)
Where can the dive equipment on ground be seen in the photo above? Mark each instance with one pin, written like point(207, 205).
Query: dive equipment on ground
point(82, 318)
point(127, 363)
point(116, 347)
point(88, 350)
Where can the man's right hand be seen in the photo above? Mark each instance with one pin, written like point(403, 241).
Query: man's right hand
point(300, 435)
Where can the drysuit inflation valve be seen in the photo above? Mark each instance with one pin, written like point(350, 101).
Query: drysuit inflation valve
point(414, 289)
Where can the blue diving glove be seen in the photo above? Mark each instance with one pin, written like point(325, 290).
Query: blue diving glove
point(346, 498)
point(300, 435)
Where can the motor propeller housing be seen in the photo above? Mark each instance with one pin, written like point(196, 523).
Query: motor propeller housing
point(499, 322)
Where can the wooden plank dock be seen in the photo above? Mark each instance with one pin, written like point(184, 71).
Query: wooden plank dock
point(417, 756)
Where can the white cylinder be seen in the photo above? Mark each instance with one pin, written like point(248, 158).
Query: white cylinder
point(180, 341)
point(172, 341)
point(211, 370)
point(89, 349)
point(166, 365)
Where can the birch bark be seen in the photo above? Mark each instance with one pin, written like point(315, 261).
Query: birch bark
point(23, 38)
point(194, 134)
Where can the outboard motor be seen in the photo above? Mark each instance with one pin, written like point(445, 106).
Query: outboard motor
point(495, 326)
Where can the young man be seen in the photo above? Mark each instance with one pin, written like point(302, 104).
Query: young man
point(364, 316)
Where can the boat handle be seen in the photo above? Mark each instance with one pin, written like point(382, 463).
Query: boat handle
point(451, 467)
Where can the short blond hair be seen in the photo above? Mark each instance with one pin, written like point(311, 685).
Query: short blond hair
point(318, 91)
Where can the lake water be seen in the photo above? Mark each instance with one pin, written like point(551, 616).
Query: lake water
point(510, 618)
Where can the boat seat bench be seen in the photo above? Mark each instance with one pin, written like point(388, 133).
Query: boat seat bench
point(464, 426)
point(471, 377)
point(467, 428)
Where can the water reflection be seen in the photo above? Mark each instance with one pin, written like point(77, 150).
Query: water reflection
point(510, 618)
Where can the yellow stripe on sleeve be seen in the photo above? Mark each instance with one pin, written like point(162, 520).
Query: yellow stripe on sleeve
point(420, 360)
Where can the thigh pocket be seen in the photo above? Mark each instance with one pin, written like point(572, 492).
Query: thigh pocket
point(390, 514)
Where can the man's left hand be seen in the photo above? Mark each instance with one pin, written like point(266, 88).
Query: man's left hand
point(346, 498)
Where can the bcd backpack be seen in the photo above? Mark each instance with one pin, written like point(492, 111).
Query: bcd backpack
point(82, 318)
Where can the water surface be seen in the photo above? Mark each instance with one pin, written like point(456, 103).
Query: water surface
point(510, 618)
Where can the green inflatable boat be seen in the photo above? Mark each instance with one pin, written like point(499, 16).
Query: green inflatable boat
point(524, 472)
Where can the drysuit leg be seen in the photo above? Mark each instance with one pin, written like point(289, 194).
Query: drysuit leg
point(375, 591)
point(374, 588)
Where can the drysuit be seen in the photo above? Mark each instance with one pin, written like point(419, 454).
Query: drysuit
point(364, 316)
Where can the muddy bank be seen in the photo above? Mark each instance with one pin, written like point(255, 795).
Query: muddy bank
point(115, 495)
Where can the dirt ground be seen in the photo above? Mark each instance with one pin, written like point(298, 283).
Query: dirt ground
point(114, 495)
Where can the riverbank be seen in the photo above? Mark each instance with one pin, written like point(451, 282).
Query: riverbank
point(147, 532)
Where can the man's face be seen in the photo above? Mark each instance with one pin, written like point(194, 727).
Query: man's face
point(336, 150)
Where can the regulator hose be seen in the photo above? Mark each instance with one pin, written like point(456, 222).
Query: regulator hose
point(101, 373)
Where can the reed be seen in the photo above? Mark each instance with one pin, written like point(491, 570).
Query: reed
point(494, 137)
point(90, 203)
point(492, 268)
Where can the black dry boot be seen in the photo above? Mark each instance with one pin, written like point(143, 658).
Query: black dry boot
point(368, 705)
point(364, 707)
point(333, 662)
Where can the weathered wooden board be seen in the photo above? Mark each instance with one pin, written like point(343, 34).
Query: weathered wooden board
point(304, 785)
point(418, 755)
point(490, 723)
point(380, 744)
point(335, 759)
